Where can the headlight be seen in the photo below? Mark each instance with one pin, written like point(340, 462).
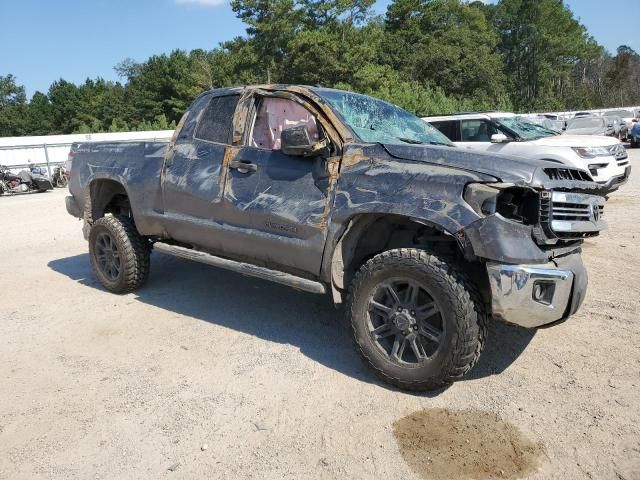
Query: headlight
point(482, 197)
point(514, 203)
point(591, 152)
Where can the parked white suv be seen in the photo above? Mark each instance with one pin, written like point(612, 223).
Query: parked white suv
point(500, 132)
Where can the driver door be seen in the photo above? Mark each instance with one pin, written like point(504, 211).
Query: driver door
point(475, 134)
point(277, 204)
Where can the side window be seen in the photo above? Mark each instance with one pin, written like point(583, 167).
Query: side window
point(476, 131)
point(448, 128)
point(216, 122)
point(191, 119)
point(276, 114)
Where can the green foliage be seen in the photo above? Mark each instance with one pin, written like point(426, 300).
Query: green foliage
point(13, 107)
point(270, 24)
point(446, 43)
point(542, 43)
point(428, 56)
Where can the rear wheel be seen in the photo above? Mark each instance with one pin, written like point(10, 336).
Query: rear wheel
point(120, 256)
point(417, 321)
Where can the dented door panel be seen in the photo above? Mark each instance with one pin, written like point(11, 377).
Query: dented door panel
point(193, 172)
point(192, 193)
point(278, 211)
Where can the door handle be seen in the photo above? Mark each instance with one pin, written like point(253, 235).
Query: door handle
point(243, 167)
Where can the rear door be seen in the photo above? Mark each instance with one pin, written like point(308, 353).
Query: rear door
point(278, 204)
point(192, 179)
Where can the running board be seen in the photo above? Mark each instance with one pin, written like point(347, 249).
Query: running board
point(243, 268)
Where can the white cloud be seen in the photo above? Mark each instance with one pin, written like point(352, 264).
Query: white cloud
point(202, 3)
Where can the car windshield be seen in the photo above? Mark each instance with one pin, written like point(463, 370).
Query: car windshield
point(621, 113)
point(377, 121)
point(587, 122)
point(524, 128)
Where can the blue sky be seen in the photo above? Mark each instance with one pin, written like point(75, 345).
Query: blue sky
point(42, 41)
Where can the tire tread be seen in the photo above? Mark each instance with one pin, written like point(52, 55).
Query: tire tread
point(469, 315)
point(136, 260)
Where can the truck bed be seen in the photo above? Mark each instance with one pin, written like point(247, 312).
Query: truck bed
point(129, 163)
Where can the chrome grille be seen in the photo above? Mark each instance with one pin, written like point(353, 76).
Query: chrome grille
point(569, 215)
point(574, 211)
point(620, 153)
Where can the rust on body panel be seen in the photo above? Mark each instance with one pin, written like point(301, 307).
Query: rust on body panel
point(230, 154)
point(353, 156)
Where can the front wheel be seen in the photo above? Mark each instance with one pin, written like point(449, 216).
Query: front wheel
point(417, 321)
point(120, 256)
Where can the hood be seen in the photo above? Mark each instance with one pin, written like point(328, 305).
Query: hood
point(504, 168)
point(501, 167)
point(583, 140)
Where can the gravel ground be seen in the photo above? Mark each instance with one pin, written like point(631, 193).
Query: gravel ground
point(205, 373)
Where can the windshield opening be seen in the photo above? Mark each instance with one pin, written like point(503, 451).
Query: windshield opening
point(526, 129)
point(376, 121)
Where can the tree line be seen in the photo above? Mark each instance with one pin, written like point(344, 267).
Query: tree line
point(428, 56)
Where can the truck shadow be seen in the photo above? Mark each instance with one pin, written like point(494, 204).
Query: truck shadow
point(275, 313)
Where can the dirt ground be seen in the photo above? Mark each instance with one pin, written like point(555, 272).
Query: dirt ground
point(204, 373)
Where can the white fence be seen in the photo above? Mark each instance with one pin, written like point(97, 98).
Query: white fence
point(45, 151)
point(568, 115)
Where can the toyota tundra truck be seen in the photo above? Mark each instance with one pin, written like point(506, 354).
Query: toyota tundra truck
point(421, 243)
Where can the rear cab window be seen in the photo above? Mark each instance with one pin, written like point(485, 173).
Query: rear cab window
point(216, 121)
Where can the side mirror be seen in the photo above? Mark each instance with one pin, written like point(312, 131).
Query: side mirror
point(295, 141)
point(499, 138)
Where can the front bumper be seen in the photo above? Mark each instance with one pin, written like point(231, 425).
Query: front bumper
point(536, 295)
point(616, 182)
point(606, 173)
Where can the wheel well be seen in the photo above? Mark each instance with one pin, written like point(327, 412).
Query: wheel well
point(369, 235)
point(108, 197)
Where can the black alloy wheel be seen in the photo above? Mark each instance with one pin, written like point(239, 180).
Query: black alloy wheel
point(405, 321)
point(107, 256)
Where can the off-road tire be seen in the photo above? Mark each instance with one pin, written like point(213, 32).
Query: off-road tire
point(461, 308)
point(134, 251)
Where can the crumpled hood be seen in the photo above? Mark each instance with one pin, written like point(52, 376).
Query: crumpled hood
point(505, 168)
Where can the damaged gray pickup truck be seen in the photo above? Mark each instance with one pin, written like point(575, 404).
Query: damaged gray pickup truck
point(333, 192)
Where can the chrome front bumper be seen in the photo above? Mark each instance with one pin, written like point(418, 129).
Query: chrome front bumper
point(536, 295)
